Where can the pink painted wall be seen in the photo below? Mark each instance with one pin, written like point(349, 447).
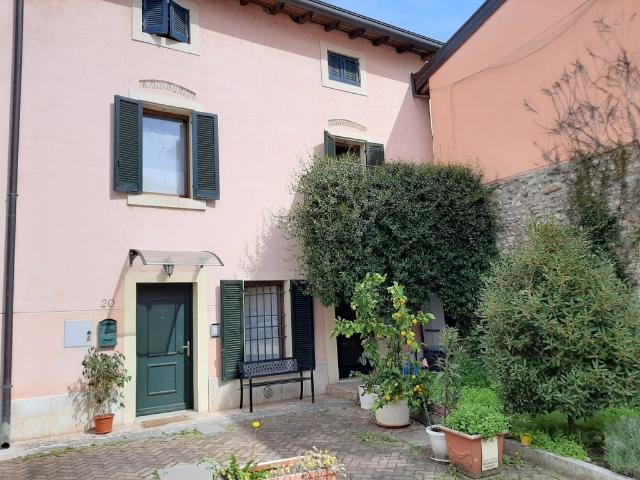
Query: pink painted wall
point(478, 96)
point(259, 73)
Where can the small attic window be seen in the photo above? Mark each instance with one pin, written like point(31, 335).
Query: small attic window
point(166, 18)
point(343, 68)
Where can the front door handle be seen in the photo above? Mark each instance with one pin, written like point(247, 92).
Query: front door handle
point(187, 347)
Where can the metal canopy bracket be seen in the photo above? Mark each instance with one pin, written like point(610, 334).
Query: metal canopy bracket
point(169, 259)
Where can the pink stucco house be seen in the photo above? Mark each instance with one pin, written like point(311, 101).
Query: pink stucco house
point(486, 85)
point(170, 128)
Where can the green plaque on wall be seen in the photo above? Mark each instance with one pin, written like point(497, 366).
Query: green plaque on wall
point(107, 333)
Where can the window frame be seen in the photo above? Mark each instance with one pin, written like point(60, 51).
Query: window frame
point(188, 187)
point(328, 82)
point(282, 314)
point(193, 47)
point(343, 69)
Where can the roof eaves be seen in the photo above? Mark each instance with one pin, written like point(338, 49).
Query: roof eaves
point(355, 25)
point(466, 31)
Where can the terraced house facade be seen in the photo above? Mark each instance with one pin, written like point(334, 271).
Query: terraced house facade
point(157, 142)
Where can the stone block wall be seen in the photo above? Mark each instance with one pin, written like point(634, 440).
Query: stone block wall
point(544, 193)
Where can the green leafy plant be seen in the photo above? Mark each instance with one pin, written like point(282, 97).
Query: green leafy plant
point(478, 412)
point(561, 329)
point(105, 376)
point(448, 381)
point(560, 444)
point(622, 444)
point(429, 227)
point(393, 335)
point(233, 471)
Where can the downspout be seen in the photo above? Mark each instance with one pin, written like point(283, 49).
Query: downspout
point(10, 241)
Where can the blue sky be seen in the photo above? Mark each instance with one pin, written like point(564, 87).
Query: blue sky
point(437, 19)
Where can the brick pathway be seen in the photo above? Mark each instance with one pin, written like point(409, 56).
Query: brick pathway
point(367, 451)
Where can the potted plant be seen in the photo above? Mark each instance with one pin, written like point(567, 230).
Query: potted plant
point(105, 376)
point(314, 464)
point(446, 391)
point(394, 336)
point(475, 433)
point(368, 390)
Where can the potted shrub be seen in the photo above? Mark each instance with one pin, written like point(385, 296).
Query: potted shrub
point(368, 390)
point(475, 433)
point(105, 376)
point(393, 335)
point(446, 391)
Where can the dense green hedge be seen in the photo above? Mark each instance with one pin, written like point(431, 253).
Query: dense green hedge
point(428, 227)
point(562, 331)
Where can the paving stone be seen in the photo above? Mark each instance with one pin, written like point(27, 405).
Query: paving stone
point(337, 427)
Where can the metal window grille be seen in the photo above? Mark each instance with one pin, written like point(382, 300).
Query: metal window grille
point(263, 321)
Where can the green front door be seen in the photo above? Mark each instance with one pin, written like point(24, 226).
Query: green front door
point(164, 348)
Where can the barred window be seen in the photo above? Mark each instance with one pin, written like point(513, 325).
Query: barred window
point(264, 321)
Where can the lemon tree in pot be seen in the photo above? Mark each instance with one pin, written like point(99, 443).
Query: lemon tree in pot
point(105, 376)
point(475, 433)
point(388, 342)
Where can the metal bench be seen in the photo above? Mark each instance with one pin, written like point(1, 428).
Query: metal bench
point(270, 368)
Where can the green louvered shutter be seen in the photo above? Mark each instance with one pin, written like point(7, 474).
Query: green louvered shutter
point(127, 149)
point(232, 305)
point(375, 154)
point(205, 157)
point(329, 144)
point(302, 327)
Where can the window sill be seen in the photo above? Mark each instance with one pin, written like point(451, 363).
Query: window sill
point(165, 201)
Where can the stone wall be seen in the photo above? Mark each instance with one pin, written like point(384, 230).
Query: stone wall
point(544, 193)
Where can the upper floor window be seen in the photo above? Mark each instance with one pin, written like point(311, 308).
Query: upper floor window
point(343, 68)
point(166, 18)
point(161, 152)
point(164, 154)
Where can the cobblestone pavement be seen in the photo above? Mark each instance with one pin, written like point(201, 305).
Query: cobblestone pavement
point(368, 452)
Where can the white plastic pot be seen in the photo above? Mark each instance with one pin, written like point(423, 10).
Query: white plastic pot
point(367, 400)
point(393, 415)
point(438, 444)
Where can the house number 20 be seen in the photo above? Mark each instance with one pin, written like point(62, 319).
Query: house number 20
point(107, 303)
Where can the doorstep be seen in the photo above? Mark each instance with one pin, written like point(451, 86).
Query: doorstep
point(346, 388)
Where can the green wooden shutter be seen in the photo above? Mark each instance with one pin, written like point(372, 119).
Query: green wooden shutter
point(205, 156)
point(375, 154)
point(127, 149)
point(329, 144)
point(232, 306)
point(302, 327)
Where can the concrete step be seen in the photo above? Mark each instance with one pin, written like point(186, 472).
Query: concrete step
point(347, 389)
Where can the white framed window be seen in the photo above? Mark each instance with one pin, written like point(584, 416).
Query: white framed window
point(343, 69)
point(182, 29)
point(165, 156)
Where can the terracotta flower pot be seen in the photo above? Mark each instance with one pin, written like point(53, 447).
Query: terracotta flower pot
point(325, 474)
point(103, 423)
point(466, 453)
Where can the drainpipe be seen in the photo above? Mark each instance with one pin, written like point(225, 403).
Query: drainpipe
point(10, 241)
